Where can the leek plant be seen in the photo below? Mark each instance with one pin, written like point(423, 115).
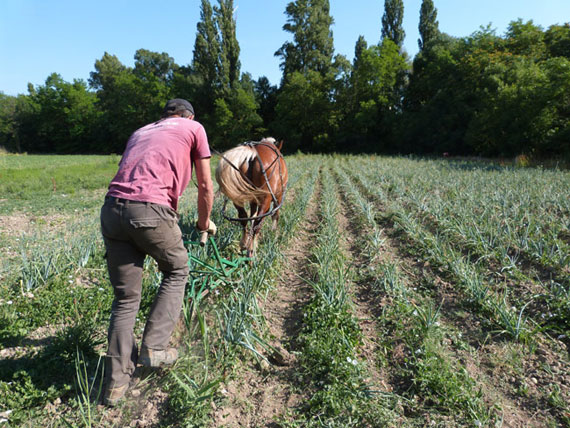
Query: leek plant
point(88, 389)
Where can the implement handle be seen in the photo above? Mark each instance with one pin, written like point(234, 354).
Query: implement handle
point(203, 238)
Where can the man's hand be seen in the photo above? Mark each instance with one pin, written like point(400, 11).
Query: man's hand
point(204, 233)
point(211, 229)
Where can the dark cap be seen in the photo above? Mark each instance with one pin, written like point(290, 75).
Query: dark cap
point(176, 106)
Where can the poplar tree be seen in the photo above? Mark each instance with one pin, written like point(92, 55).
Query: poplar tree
point(207, 47)
point(428, 26)
point(392, 21)
point(304, 107)
point(359, 48)
point(350, 102)
point(309, 22)
point(229, 52)
point(225, 99)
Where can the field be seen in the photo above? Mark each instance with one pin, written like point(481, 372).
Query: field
point(397, 292)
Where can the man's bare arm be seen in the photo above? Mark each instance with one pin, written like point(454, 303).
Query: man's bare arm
point(205, 192)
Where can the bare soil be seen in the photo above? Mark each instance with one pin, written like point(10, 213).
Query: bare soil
point(262, 394)
point(18, 224)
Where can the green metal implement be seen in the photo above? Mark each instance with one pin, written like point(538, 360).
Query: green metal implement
point(208, 269)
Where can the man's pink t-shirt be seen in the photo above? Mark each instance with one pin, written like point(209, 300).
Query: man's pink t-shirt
point(157, 163)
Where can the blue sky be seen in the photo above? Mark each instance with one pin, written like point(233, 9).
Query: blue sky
point(38, 37)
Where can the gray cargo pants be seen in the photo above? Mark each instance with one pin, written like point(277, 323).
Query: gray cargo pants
point(131, 230)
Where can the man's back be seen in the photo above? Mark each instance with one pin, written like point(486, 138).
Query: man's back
point(156, 165)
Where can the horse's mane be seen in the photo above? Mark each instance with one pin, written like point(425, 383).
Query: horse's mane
point(273, 141)
point(230, 179)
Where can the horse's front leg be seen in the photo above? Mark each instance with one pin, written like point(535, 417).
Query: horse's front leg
point(251, 234)
point(256, 226)
point(243, 243)
point(275, 216)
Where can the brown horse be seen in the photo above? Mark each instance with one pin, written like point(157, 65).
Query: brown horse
point(254, 173)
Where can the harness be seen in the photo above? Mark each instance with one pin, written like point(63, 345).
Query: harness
point(276, 205)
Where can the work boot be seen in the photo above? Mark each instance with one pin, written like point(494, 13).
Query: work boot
point(155, 358)
point(114, 395)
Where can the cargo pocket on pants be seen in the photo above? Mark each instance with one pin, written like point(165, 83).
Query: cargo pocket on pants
point(150, 233)
point(145, 223)
point(147, 233)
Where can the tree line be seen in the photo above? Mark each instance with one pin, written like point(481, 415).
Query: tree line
point(485, 94)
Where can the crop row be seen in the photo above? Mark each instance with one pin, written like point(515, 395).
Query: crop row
point(511, 215)
point(410, 323)
point(330, 335)
point(505, 307)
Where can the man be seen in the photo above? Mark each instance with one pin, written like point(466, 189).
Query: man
point(139, 218)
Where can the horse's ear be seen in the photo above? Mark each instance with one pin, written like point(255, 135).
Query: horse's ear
point(279, 145)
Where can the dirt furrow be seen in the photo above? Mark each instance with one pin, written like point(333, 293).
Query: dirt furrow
point(262, 393)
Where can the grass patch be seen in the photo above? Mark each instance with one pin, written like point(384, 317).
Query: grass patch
point(43, 184)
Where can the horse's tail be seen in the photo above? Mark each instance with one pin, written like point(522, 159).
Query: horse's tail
point(230, 179)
